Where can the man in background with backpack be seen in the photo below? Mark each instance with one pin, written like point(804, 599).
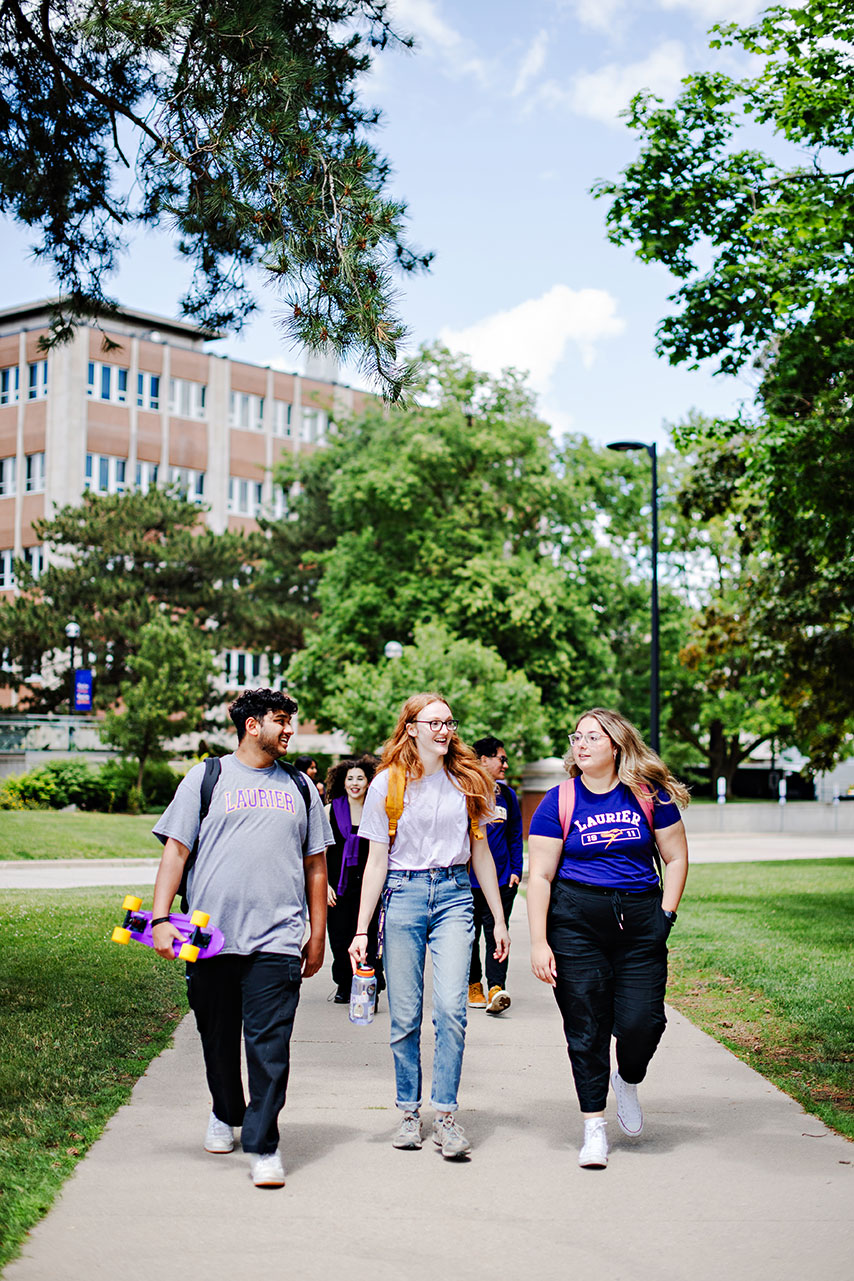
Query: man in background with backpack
point(254, 834)
point(504, 835)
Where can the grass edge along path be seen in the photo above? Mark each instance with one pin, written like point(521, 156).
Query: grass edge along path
point(27, 835)
point(763, 962)
point(80, 1021)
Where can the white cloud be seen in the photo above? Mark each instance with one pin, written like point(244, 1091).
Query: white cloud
point(535, 335)
point(602, 94)
point(718, 10)
point(532, 63)
point(599, 14)
point(422, 19)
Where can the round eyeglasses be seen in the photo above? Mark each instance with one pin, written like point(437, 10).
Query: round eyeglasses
point(592, 738)
point(435, 726)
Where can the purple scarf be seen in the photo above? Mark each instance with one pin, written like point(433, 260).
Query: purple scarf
point(350, 848)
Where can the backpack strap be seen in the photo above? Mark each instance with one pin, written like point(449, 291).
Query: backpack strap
point(394, 799)
point(213, 769)
point(645, 800)
point(566, 804)
point(303, 788)
point(394, 803)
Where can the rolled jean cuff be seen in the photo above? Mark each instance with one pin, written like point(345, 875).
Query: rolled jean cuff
point(408, 1107)
point(443, 1107)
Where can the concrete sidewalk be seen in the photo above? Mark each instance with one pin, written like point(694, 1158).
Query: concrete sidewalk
point(730, 1179)
point(732, 847)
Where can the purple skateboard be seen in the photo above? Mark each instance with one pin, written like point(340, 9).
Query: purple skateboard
point(197, 941)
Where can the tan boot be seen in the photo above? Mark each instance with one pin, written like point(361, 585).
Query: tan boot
point(498, 1000)
point(477, 1000)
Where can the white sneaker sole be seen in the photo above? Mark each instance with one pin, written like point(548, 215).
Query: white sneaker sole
point(499, 1003)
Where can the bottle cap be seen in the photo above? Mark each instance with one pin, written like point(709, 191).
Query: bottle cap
point(365, 972)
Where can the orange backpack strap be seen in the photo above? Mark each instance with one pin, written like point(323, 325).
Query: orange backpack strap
point(566, 804)
point(475, 830)
point(394, 799)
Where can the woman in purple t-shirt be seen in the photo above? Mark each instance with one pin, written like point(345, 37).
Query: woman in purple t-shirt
point(598, 915)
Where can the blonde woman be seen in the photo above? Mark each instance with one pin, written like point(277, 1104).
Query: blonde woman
point(598, 914)
point(423, 817)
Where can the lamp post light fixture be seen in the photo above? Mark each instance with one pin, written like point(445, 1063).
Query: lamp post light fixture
point(72, 633)
point(626, 446)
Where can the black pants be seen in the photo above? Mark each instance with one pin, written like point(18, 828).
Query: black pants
point(496, 971)
point(258, 994)
point(341, 922)
point(610, 950)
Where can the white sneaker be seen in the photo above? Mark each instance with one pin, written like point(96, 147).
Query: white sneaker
point(594, 1153)
point(629, 1114)
point(267, 1170)
point(219, 1137)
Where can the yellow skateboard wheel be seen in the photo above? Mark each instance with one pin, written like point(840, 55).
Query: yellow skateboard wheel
point(199, 918)
point(120, 935)
point(132, 903)
point(188, 952)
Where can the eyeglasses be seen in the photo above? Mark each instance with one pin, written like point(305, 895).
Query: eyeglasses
point(435, 726)
point(502, 760)
point(592, 738)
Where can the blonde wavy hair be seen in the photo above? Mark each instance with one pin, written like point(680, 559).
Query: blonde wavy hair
point(460, 762)
point(637, 765)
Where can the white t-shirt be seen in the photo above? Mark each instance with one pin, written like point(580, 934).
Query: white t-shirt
point(433, 830)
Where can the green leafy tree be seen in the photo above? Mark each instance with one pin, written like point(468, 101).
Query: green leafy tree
point(459, 508)
point(240, 125)
point(115, 563)
point(165, 695)
point(760, 243)
point(486, 697)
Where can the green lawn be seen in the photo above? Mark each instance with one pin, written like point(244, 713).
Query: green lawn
point(80, 1020)
point(42, 834)
point(762, 958)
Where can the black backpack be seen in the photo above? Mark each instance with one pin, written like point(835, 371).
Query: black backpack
point(213, 768)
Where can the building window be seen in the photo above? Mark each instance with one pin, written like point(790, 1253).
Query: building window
point(241, 668)
point(35, 474)
point(190, 484)
point(186, 399)
point(148, 391)
point(245, 497)
point(9, 385)
point(8, 469)
point(246, 411)
point(281, 418)
point(313, 430)
point(146, 477)
point(34, 556)
point(279, 507)
point(37, 375)
point(107, 382)
point(105, 474)
point(7, 578)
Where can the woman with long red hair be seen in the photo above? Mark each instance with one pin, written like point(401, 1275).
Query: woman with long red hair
point(423, 816)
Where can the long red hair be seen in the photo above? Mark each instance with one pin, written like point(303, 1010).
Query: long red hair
point(460, 762)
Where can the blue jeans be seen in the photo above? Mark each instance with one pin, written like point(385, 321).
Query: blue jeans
point(428, 909)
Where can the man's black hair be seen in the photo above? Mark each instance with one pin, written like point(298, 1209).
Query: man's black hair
point(487, 746)
point(257, 703)
point(304, 762)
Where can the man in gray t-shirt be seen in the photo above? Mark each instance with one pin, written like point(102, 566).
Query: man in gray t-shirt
point(260, 871)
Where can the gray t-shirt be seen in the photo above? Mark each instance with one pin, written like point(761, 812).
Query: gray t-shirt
point(248, 875)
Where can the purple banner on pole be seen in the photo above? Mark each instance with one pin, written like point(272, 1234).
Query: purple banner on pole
point(83, 689)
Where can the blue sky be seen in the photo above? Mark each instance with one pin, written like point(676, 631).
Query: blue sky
point(496, 127)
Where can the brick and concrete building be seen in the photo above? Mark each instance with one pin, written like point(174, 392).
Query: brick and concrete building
point(159, 407)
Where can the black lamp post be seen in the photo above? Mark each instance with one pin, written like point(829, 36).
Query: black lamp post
point(625, 446)
point(72, 633)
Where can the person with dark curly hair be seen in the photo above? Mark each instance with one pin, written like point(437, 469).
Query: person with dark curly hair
point(346, 786)
point(259, 870)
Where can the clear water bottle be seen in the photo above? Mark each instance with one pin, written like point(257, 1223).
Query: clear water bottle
point(363, 995)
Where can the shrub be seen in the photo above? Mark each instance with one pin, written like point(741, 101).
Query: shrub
point(118, 778)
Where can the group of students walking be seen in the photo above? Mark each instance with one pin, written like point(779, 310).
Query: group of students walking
point(409, 868)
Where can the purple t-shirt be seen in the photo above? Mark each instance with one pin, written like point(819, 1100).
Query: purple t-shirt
point(609, 842)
